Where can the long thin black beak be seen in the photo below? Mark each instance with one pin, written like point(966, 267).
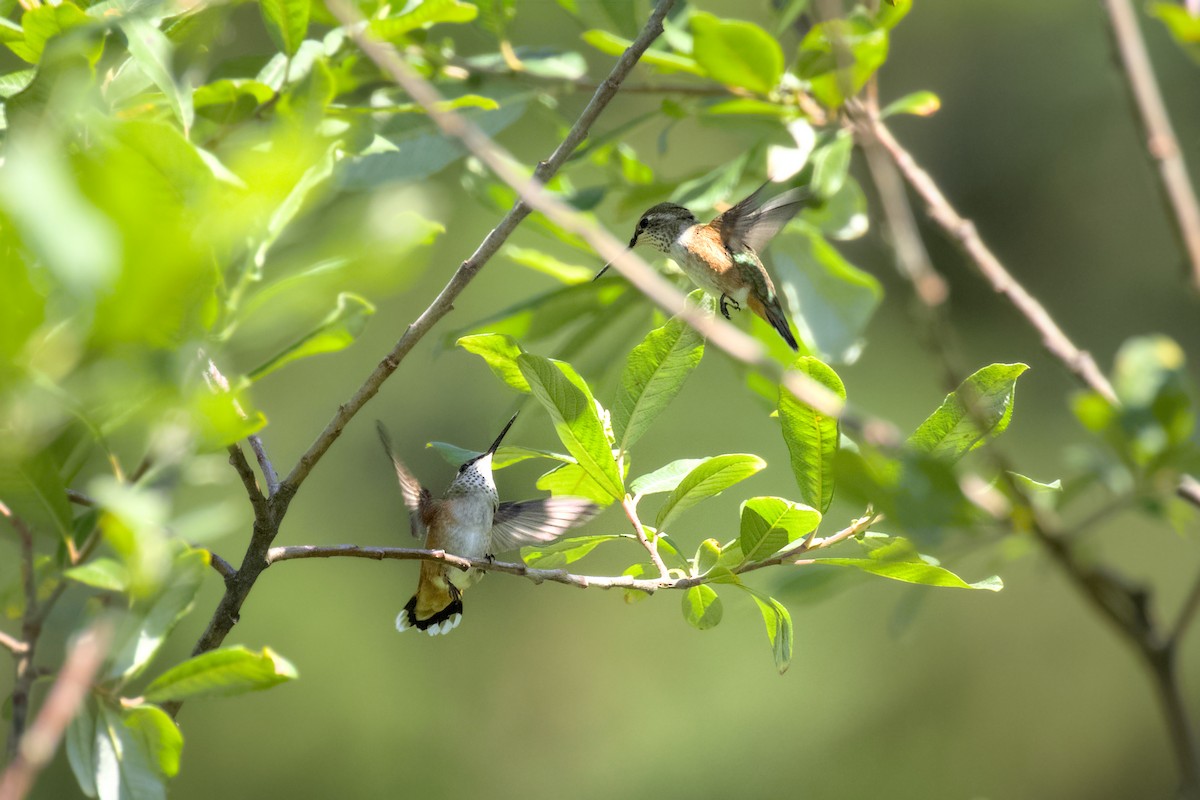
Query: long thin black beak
point(609, 264)
point(500, 438)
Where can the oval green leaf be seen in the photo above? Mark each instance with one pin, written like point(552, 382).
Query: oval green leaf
point(979, 409)
point(500, 353)
point(654, 373)
point(220, 673)
point(708, 479)
point(736, 53)
point(771, 523)
point(811, 437)
point(702, 607)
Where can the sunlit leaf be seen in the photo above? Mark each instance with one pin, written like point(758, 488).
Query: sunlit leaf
point(221, 673)
point(811, 437)
point(336, 332)
point(736, 53)
point(978, 410)
point(771, 523)
point(707, 479)
point(500, 353)
point(779, 627)
point(661, 60)
point(922, 104)
point(701, 607)
point(654, 374)
point(101, 573)
point(557, 555)
point(896, 558)
point(287, 23)
point(665, 478)
point(568, 400)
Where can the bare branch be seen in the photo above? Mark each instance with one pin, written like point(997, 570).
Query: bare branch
point(238, 459)
point(80, 499)
point(651, 547)
point(13, 644)
point(1161, 143)
point(648, 585)
point(223, 567)
point(264, 464)
point(39, 743)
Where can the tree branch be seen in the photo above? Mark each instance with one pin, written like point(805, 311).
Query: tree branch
point(1161, 143)
point(264, 464)
point(36, 748)
point(648, 585)
point(651, 547)
point(13, 644)
point(962, 232)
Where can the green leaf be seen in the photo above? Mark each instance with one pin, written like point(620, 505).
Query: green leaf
point(500, 353)
point(126, 767)
point(654, 373)
point(984, 399)
point(771, 523)
point(922, 104)
point(896, 558)
point(336, 332)
point(287, 23)
point(661, 60)
point(33, 490)
point(548, 314)
point(707, 479)
point(665, 478)
point(423, 15)
point(708, 556)
point(568, 401)
point(101, 573)
point(159, 735)
point(221, 673)
point(570, 274)
point(737, 53)
point(573, 480)
point(701, 607)
point(779, 627)
point(544, 62)
point(748, 106)
point(151, 621)
point(506, 456)
point(839, 56)
point(42, 23)
point(1183, 25)
point(81, 746)
point(557, 555)
point(834, 299)
point(811, 437)
point(152, 50)
point(831, 164)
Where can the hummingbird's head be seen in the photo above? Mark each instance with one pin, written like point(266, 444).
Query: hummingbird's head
point(661, 226)
point(475, 475)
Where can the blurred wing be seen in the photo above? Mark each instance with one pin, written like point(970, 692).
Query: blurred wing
point(416, 497)
point(748, 225)
point(538, 521)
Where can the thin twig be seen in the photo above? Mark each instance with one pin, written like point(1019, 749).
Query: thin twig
point(80, 499)
point(223, 567)
point(264, 464)
point(1187, 612)
point(648, 585)
point(13, 644)
point(240, 465)
point(630, 508)
point(39, 743)
point(1161, 142)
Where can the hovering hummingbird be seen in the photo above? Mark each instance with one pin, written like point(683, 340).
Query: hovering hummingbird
point(471, 521)
point(722, 256)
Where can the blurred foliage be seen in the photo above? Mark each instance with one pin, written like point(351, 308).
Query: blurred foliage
point(180, 218)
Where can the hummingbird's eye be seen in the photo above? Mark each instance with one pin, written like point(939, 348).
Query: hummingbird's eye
point(642, 224)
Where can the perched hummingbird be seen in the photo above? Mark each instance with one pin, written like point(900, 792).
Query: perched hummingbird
point(722, 256)
point(471, 521)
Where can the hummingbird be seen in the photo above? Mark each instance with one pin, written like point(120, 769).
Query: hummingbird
point(471, 521)
point(722, 256)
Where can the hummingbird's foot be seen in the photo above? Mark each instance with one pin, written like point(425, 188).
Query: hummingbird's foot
point(726, 301)
point(490, 558)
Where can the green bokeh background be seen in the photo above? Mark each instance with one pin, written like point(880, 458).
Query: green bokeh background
point(895, 690)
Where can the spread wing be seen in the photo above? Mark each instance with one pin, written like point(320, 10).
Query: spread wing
point(534, 521)
point(416, 497)
point(749, 224)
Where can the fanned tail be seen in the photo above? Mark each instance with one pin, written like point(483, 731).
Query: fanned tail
point(772, 312)
point(436, 607)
